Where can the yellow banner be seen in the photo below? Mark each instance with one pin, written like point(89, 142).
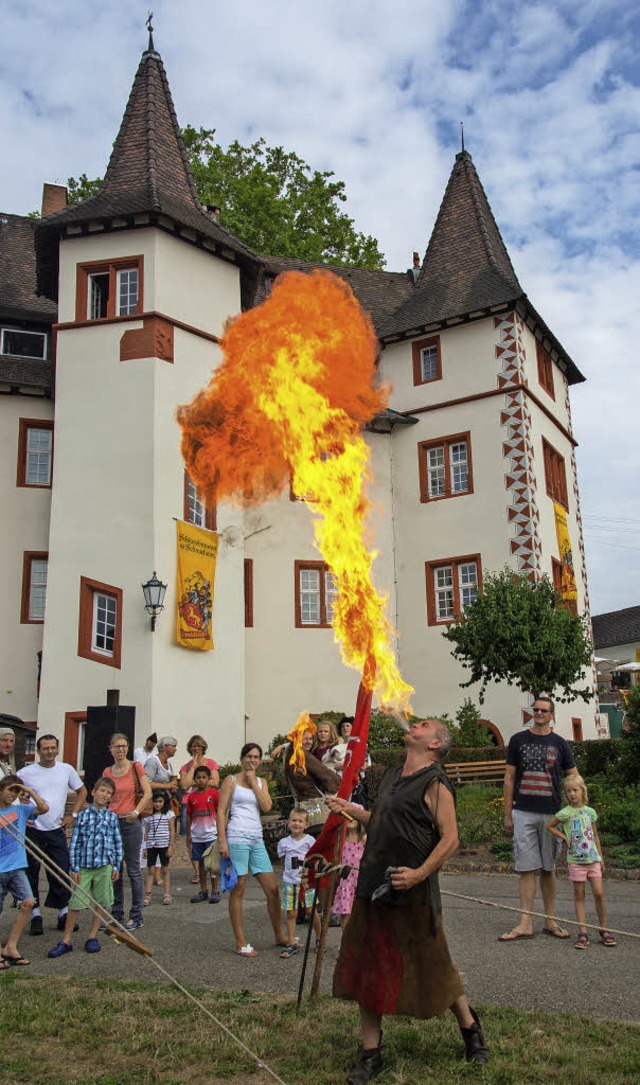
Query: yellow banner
point(569, 588)
point(197, 553)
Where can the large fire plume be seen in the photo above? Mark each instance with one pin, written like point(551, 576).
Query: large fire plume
point(286, 407)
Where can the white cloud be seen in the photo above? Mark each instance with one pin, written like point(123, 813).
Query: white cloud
point(550, 96)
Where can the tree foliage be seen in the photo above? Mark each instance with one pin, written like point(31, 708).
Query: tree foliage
point(519, 631)
point(468, 731)
point(271, 199)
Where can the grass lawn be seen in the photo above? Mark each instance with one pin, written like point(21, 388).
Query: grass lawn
point(108, 1032)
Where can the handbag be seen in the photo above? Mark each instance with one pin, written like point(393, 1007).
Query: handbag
point(137, 794)
point(211, 857)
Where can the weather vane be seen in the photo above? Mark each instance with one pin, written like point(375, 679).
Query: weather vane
point(149, 25)
point(462, 134)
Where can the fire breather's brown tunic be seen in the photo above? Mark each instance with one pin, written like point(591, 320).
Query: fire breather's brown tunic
point(394, 956)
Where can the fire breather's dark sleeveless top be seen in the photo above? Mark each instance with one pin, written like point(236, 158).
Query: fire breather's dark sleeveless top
point(401, 830)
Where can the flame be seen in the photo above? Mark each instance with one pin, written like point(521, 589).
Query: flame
point(287, 406)
point(302, 724)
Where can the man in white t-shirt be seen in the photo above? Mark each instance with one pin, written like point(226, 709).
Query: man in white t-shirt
point(52, 780)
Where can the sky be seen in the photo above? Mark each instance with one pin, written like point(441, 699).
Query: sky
point(549, 94)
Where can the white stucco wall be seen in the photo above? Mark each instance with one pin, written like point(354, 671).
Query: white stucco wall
point(25, 526)
point(119, 489)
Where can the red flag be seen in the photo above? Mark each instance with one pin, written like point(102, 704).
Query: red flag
point(354, 760)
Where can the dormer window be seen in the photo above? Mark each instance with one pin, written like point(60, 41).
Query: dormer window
point(427, 360)
point(108, 291)
point(23, 344)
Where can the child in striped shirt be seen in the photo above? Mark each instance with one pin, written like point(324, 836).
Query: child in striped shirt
point(159, 836)
point(95, 856)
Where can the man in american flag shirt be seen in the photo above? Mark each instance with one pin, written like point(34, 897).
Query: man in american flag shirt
point(95, 856)
point(535, 760)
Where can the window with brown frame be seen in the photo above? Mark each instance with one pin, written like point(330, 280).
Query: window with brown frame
point(35, 453)
point(576, 729)
point(444, 466)
point(35, 566)
point(315, 595)
point(100, 622)
point(555, 474)
point(452, 585)
point(427, 360)
point(545, 370)
point(196, 511)
point(248, 593)
point(109, 289)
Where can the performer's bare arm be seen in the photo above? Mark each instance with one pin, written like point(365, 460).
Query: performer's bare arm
point(354, 811)
point(440, 802)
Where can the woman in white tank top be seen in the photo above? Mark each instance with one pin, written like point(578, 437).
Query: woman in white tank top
point(243, 798)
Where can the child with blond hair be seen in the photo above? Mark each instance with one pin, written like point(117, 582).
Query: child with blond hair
point(575, 824)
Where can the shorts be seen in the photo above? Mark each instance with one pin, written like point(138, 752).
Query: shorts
point(157, 853)
point(98, 882)
point(17, 883)
point(249, 857)
point(534, 847)
point(291, 896)
point(579, 872)
point(198, 848)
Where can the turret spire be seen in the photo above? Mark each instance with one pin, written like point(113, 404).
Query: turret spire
point(149, 25)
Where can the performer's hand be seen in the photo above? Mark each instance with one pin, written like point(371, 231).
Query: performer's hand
point(508, 823)
point(336, 805)
point(405, 878)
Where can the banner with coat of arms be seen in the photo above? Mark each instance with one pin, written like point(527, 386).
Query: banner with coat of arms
point(569, 587)
point(197, 554)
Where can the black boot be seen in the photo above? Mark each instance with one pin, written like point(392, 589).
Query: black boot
point(475, 1048)
point(369, 1065)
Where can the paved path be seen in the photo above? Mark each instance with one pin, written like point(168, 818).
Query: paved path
point(194, 943)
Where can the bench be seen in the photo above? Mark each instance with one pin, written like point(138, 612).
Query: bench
point(476, 772)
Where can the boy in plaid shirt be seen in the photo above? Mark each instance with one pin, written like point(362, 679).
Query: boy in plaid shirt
point(95, 855)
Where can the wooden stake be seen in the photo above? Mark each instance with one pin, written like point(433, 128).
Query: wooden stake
point(326, 914)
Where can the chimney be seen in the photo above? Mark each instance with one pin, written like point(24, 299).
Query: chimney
point(54, 198)
point(415, 270)
point(214, 211)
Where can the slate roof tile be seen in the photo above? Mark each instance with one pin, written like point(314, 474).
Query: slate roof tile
point(616, 627)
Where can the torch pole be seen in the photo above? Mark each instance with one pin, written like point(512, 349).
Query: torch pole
point(326, 914)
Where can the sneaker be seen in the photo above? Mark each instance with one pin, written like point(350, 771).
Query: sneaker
point(92, 945)
point(60, 949)
point(214, 898)
point(36, 926)
point(134, 924)
point(199, 898)
point(370, 1063)
point(62, 922)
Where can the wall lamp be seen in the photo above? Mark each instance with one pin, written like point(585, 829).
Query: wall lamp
point(154, 592)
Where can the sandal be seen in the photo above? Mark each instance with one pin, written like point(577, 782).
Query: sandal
point(246, 951)
point(556, 932)
point(289, 951)
point(607, 938)
point(15, 962)
point(167, 899)
point(147, 900)
point(582, 941)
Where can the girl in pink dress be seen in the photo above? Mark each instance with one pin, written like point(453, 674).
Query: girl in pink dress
point(352, 851)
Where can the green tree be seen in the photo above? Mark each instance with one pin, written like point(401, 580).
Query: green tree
point(519, 631)
point(271, 199)
point(468, 731)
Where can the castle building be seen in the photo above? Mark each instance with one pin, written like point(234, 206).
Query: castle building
point(111, 312)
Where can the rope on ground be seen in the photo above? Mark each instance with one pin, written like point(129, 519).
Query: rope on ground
point(97, 909)
point(537, 915)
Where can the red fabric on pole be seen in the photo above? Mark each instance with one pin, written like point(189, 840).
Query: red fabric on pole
point(354, 760)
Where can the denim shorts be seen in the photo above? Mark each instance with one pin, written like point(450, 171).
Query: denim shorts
point(17, 883)
point(198, 848)
point(534, 847)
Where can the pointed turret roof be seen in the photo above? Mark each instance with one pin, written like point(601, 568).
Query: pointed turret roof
point(466, 271)
point(148, 181)
point(466, 267)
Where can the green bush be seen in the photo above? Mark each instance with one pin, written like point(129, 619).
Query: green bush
point(467, 730)
point(618, 810)
point(480, 814)
point(596, 757)
point(503, 850)
point(626, 856)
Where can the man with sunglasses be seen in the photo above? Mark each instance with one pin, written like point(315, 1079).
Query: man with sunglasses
point(535, 760)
